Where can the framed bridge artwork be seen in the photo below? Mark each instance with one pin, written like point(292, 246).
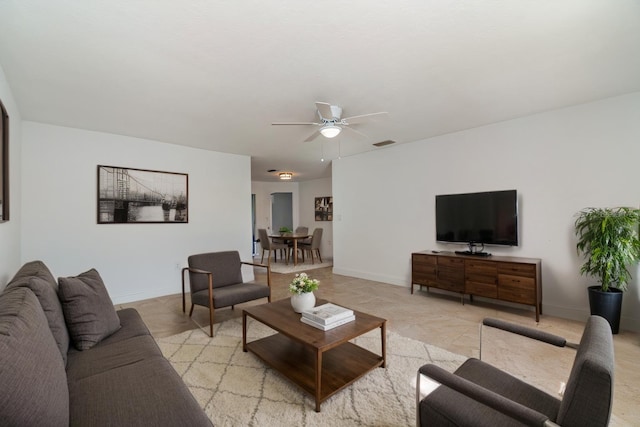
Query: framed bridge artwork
point(127, 195)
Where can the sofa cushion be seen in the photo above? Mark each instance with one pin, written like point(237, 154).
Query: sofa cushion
point(32, 373)
point(145, 393)
point(34, 269)
point(88, 310)
point(47, 294)
point(104, 358)
point(128, 344)
point(131, 325)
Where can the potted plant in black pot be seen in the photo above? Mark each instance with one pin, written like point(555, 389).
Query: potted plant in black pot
point(608, 239)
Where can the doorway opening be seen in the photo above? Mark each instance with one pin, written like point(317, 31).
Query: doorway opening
point(281, 211)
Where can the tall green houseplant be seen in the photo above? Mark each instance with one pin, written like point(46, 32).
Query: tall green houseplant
point(608, 240)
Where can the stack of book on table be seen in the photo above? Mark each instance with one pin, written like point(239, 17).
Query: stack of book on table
point(327, 316)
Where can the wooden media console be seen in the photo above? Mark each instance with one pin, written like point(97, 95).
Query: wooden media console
point(511, 279)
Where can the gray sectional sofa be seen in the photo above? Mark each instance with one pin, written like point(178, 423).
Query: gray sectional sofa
point(67, 357)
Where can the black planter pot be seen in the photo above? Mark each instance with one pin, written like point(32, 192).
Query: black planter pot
point(606, 304)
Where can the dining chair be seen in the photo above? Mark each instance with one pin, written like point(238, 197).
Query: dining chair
point(268, 245)
point(312, 247)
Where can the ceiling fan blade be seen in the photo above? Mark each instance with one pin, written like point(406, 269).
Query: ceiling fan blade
point(312, 136)
point(325, 110)
point(294, 123)
point(356, 131)
point(363, 117)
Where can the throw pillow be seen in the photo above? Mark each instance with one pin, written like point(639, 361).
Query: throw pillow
point(87, 308)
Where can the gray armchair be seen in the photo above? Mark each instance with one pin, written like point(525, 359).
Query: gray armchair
point(215, 281)
point(478, 394)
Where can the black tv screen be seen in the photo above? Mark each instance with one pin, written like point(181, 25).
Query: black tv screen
point(489, 218)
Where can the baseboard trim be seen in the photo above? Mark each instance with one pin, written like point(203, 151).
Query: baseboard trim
point(392, 280)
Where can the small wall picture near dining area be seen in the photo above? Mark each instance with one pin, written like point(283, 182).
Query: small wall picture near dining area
point(324, 208)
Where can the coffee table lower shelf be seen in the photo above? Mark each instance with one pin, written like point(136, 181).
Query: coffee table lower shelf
point(341, 365)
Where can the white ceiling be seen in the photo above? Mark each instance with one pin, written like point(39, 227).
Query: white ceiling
point(215, 74)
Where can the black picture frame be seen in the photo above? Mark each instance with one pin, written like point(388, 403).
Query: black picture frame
point(324, 208)
point(4, 164)
point(141, 196)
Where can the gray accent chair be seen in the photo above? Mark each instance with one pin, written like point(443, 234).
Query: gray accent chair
point(268, 245)
point(215, 281)
point(313, 248)
point(478, 394)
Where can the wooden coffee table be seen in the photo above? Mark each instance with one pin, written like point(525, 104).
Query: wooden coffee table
point(321, 363)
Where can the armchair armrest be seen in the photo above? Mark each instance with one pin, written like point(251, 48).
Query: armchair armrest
point(488, 398)
point(268, 267)
point(194, 270)
point(535, 334)
point(256, 264)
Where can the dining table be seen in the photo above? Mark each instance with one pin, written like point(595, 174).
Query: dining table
point(291, 237)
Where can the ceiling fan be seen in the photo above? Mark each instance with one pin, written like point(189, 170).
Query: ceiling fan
point(331, 123)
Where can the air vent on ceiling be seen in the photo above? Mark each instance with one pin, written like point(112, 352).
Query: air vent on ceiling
point(383, 143)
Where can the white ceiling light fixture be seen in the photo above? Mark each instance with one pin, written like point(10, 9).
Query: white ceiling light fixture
point(286, 175)
point(331, 122)
point(330, 131)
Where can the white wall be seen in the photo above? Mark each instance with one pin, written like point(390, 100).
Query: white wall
point(10, 230)
point(559, 161)
point(136, 261)
point(309, 190)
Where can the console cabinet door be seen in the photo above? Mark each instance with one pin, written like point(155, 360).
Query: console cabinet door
point(481, 278)
point(451, 274)
point(517, 283)
point(517, 289)
point(424, 269)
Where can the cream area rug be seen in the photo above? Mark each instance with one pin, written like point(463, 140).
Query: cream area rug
point(238, 389)
point(283, 268)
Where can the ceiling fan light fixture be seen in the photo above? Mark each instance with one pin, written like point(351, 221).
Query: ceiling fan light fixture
point(330, 131)
point(286, 175)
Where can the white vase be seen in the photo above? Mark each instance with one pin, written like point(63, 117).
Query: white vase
point(303, 301)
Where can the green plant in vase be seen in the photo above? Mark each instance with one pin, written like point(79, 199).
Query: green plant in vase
point(302, 287)
point(285, 230)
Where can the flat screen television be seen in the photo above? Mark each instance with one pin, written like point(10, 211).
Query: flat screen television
point(487, 218)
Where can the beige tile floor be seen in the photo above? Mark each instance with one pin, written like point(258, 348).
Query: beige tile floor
point(439, 319)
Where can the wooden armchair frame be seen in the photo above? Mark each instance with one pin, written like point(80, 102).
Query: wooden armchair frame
point(212, 290)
